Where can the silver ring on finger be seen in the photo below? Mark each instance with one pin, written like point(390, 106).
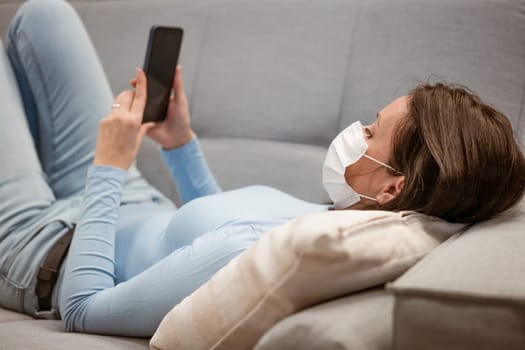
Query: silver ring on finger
point(115, 106)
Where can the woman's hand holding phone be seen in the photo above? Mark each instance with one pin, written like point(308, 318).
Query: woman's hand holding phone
point(120, 134)
point(175, 130)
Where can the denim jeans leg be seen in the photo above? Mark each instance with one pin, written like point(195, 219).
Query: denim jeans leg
point(54, 58)
point(24, 192)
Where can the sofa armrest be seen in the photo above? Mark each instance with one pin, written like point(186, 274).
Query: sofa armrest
point(469, 293)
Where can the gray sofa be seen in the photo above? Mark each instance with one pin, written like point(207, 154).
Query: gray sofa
point(270, 83)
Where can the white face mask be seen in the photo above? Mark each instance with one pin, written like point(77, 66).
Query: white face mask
point(346, 149)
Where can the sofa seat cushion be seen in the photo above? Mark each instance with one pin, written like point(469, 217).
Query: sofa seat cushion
point(6, 316)
point(50, 335)
point(361, 321)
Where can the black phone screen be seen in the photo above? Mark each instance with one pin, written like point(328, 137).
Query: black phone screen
point(159, 65)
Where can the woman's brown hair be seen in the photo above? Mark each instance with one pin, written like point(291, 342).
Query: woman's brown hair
point(458, 155)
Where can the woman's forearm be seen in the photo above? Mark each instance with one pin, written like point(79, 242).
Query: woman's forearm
point(190, 171)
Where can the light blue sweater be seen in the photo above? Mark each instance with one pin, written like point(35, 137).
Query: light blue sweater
point(129, 265)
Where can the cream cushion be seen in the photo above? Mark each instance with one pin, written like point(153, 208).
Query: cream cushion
point(307, 261)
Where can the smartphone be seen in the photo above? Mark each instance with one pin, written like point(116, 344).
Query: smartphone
point(162, 55)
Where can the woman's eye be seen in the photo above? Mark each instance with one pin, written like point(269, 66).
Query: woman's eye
point(368, 133)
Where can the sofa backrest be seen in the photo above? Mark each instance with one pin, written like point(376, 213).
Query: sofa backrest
point(477, 43)
point(300, 71)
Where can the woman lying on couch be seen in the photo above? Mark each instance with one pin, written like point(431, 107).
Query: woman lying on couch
point(439, 151)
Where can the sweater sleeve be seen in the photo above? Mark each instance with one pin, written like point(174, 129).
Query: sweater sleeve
point(190, 172)
point(90, 266)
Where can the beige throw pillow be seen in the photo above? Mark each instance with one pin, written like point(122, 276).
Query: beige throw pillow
point(307, 261)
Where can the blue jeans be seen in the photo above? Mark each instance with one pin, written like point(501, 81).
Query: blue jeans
point(53, 93)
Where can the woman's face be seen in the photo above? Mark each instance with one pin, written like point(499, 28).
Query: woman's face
point(366, 176)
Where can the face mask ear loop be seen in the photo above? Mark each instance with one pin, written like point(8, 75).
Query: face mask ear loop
point(381, 163)
point(367, 197)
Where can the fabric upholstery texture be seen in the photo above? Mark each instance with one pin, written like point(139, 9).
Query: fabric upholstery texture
point(50, 335)
point(6, 316)
point(281, 157)
point(476, 282)
point(307, 261)
point(440, 321)
point(397, 44)
point(361, 321)
point(285, 76)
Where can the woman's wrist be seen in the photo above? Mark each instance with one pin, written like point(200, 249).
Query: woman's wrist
point(179, 142)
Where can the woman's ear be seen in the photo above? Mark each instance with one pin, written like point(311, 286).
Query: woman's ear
point(390, 190)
